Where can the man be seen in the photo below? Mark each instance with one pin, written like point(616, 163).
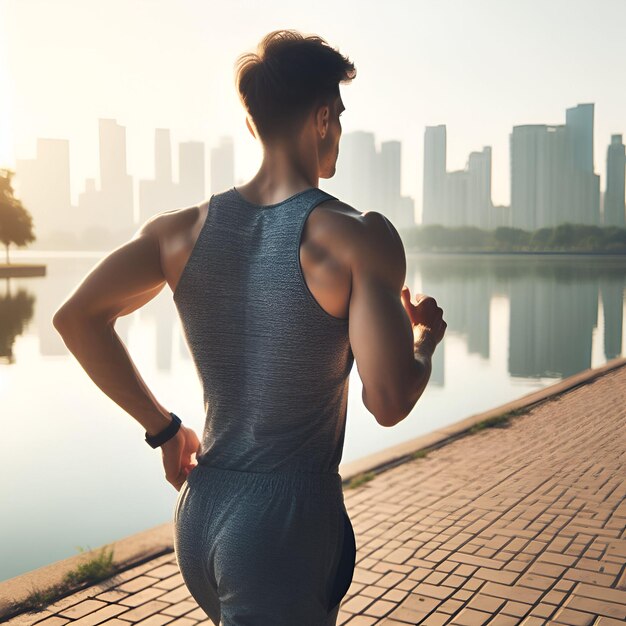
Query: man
point(279, 287)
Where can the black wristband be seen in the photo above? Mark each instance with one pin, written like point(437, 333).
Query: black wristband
point(166, 434)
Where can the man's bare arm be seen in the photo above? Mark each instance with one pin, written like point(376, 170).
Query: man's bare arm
point(119, 284)
point(381, 333)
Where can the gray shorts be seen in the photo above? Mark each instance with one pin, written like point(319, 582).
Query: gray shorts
point(264, 549)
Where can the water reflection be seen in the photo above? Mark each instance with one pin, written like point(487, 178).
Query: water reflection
point(553, 307)
point(16, 310)
point(554, 304)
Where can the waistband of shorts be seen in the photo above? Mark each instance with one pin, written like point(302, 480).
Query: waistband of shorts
point(287, 482)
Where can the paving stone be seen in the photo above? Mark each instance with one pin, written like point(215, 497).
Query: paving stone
point(100, 616)
point(435, 619)
point(543, 610)
point(470, 617)
point(82, 608)
point(482, 602)
point(54, 620)
point(516, 609)
point(380, 608)
point(504, 620)
point(573, 618)
point(144, 610)
point(597, 606)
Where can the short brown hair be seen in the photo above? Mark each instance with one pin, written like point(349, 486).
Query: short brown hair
point(286, 77)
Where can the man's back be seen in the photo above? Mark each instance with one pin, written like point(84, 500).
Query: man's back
point(274, 365)
point(354, 266)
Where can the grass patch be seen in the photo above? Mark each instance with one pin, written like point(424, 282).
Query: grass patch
point(419, 454)
point(497, 421)
point(98, 568)
point(360, 479)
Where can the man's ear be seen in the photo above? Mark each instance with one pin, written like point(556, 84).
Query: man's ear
point(322, 120)
point(250, 127)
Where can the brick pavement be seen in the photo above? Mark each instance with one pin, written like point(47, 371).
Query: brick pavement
point(518, 525)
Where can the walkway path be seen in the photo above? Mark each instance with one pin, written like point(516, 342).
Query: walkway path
point(524, 524)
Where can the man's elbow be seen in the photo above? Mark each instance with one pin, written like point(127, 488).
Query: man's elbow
point(68, 319)
point(416, 386)
point(61, 320)
point(387, 411)
point(394, 408)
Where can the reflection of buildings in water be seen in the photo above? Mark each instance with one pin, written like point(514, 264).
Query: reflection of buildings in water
point(162, 312)
point(553, 307)
point(437, 361)
point(612, 294)
point(553, 310)
point(16, 310)
point(64, 276)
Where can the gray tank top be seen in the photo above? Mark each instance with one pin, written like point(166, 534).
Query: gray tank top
point(273, 364)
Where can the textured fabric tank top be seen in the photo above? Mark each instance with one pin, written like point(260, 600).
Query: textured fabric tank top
point(273, 364)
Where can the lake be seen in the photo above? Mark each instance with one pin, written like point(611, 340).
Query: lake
point(77, 473)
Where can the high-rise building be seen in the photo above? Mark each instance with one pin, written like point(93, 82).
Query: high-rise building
point(540, 176)
point(161, 193)
point(116, 186)
point(479, 188)
point(356, 179)
point(585, 183)
point(43, 185)
point(455, 203)
point(389, 162)
point(613, 210)
point(552, 177)
point(526, 145)
point(459, 198)
point(434, 180)
point(191, 179)
point(579, 122)
point(390, 201)
point(222, 165)
point(370, 180)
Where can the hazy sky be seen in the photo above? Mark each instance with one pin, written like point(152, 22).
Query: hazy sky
point(478, 66)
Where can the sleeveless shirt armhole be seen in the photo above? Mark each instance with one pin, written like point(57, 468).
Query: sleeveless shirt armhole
point(303, 285)
point(192, 255)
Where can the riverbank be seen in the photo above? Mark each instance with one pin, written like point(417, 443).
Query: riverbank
point(553, 253)
point(517, 512)
point(20, 270)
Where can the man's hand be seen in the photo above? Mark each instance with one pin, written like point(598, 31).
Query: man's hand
point(425, 315)
point(177, 456)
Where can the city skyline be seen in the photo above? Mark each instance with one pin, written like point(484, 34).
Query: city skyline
point(480, 67)
point(553, 179)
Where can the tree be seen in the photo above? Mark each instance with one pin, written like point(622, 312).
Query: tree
point(16, 223)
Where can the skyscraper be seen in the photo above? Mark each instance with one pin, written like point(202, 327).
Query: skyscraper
point(222, 165)
point(190, 173)
point(614, 195)
point(479, 188)
point(455, 197)
point(357, 178)
point(388, 170)
point(116, 185)
point(43, 185)
point(584, 183)
point(161, 193)
point(579, 121)
point(434, 180)
point(552, 177)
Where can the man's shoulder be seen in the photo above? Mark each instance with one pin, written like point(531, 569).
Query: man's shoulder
point(364, 236)
point(177, 220)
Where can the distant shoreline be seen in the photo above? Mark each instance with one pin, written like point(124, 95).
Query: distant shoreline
point(18, 255)
point(514, 253)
